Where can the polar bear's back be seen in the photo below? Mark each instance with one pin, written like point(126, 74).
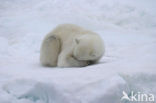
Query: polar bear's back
point(66, 31)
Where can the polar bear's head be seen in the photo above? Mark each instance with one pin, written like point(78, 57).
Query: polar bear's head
point(88, 47)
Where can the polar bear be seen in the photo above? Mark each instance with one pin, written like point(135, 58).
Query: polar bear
point(69, 45)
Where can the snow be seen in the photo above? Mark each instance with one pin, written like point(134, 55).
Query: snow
point(128, 29)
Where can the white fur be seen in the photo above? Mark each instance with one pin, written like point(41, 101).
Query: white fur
point(69, 45)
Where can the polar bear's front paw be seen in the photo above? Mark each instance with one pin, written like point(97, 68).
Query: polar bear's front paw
point(63, 64)
point(70, 61)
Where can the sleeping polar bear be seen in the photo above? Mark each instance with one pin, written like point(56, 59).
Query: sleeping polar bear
point(69, 45)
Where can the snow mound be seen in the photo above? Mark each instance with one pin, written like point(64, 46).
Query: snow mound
point(23, 90)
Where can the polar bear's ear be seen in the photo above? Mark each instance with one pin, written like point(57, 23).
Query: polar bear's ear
point(77, 41)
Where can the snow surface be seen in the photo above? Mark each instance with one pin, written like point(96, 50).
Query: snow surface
point(128, 29)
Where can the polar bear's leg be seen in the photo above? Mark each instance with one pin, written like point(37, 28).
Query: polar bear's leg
point(67, 60)
point(49, 51)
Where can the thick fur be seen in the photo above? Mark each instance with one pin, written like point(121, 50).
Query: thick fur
point(69, 45)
